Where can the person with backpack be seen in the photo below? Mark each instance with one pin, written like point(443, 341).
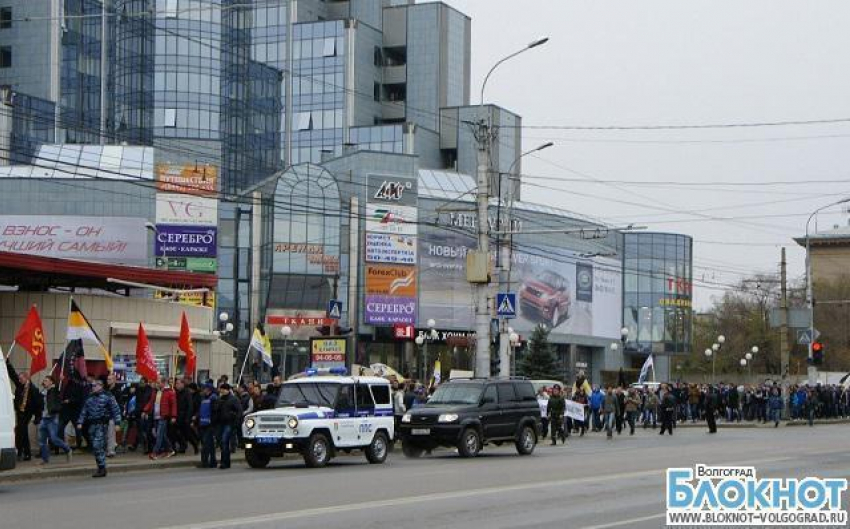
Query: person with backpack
point(207, 424)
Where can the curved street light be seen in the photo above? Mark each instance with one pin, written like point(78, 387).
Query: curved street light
point(533, 44)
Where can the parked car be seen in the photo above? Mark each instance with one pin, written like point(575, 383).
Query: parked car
point(548, 384)
point(545, 299)
point(471, 413)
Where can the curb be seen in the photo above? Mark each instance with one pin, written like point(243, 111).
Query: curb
point(760, 425)
point(118, 468)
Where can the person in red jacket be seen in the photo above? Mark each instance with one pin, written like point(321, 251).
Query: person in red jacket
point(162, 410)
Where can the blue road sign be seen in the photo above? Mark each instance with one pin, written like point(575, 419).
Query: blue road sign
point(334, 309)
point(506, 305)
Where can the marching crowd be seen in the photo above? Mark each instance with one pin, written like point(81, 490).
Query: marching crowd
point(168, 416)
point(615, 408)
point(159, 418)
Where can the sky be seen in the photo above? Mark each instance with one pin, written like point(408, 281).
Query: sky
point(741, 192)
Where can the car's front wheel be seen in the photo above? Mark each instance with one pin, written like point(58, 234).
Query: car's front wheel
point(318, 451)
point(469, 444)
point(256, 459)
point(376, 452)
point(526, 441)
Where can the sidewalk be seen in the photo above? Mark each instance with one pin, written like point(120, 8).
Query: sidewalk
point(83, 464)
point(754, 424)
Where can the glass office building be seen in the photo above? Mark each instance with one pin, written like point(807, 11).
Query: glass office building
point(657, 294)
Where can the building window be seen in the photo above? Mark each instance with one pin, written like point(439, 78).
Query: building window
point(303, 121)
point(171, 8)
point(5, 56)
point(379, 56)
point(5, 17)
point(377, 92)
point(170, 118)
point(329, 49)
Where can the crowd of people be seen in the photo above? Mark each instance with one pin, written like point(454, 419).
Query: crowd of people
point(158, 418)
point(168, 416)
point(616, 408)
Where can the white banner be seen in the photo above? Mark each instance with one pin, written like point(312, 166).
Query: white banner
point(186, 210)
point(394, 249)
point(574, 410)
point(102, 239)
point(392, 219)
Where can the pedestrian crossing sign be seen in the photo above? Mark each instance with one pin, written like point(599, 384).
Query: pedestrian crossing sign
point(506, 305)
point(334, 309)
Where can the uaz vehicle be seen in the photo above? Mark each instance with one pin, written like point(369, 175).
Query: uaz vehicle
point(470, 413)
point(545, 299)
point(319, 416)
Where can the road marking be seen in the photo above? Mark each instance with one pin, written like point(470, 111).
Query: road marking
point(626, 522)
point(440, 496)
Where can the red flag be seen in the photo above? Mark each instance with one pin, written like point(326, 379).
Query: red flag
point(145, 365)
point(184, 343)
point(31, 338)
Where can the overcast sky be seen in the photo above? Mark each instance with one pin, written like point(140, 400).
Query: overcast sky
point(680, 62)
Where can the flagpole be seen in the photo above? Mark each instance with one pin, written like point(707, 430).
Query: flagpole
point(11, 348)
point(247, 353)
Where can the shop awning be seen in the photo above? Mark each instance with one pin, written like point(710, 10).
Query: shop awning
point(33, 272)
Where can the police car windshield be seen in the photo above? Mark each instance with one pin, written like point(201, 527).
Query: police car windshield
point(313, 394)
point(456, 394)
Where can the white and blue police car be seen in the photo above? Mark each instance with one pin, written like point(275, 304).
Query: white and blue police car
point(320, 416)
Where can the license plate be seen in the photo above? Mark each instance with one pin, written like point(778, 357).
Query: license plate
point(266, 440)
point(421, 431)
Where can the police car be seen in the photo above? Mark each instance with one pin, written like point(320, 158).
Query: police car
point(319, 416)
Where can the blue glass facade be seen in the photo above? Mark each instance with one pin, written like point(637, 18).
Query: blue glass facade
point(33, 122)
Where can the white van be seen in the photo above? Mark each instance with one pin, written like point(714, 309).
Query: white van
point(8, 454)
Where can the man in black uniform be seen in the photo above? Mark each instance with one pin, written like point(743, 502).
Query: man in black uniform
point(668, 409)
point(711, 409)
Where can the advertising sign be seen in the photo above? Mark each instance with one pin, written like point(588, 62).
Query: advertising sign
point(387, 280)
point(327, 353)
point(393, 249)
point(186, 241)
point(172, 208)
point(189, 264)
point(195, 299)
point(390, 218)
point(313, 259)
point(101, 239)
point(191, 179)
point(392, 189)
point(389, 310)
point(583, 299)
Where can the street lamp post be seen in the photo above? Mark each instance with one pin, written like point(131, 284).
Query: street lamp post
point(514, 339)
point(715, 349)
point(286, 332)
point(483, 136)
point(810, 301)
point(422, 342)
point(506, 261)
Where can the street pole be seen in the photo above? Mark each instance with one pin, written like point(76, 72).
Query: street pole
point(812, 371)
point(484, 136)
point(784, 351)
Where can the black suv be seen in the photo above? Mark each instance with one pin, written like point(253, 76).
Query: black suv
point(469, 413)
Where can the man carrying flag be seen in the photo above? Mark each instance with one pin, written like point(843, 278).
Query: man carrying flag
point(79, 328)
point(184, 344)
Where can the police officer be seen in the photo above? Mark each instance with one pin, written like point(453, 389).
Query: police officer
point(100, 408)
point(555, 410)
point(711, 409)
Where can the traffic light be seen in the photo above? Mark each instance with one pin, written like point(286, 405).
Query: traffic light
point(817, 353)
point(495, 364)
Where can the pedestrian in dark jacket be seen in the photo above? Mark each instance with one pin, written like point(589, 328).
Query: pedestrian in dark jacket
point(668, 410)
point(28, 407)
point(145, 423)
point(555, 411)
point(610, 411)
point(775, 406)
point(183, 433)
point(47, 429)
point(100, 408)
point(229, 412)
point(711, 403)
point(206, 419)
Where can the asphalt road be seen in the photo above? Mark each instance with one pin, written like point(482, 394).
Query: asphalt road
point(591, 483)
